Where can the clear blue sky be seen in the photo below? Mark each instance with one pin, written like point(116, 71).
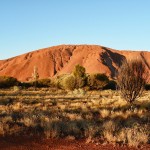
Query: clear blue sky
point(27, 25)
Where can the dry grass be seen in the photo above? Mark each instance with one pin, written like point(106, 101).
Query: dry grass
point(78, 114)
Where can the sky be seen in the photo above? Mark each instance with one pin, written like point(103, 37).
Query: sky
point(27, 25)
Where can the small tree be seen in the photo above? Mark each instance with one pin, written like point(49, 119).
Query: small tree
point(132, 77)
point(35, 76)
point(79, 71)
point(80, 76)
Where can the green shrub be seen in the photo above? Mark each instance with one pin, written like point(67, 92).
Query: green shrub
point(78, 79)
point(110, 85)
point(58, 81)
point(97, 81)
point(54, 82)
point(69, 82)
point(6, 82)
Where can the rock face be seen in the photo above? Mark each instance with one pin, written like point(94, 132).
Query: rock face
point(61, 59)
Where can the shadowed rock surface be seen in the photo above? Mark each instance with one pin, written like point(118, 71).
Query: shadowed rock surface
point(61, 59)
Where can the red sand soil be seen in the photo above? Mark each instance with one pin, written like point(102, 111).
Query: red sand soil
point(62, 59)
point(26, 143)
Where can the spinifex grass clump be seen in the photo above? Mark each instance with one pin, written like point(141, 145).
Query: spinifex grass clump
point(52, 114)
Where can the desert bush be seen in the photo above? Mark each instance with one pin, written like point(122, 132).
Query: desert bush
point(105, 113)
point(58, 81)
point(97, 81)
point(80, 76)
point(110, 85)
point(52, 129)
point(69, 82)
point(54, 82)
point(80, 82)
point(92, 131)
point(133, 136)
point(137, 135)
point(79, 92)
point(26, 84)
point(79, 71)
point(57, 129)
point(43, 83)
point(6, 82)
point(109, 130)
point(17, 88)
point(132, 77)
point(76, 79)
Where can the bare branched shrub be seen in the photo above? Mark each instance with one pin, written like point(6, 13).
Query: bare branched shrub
point(132, 77)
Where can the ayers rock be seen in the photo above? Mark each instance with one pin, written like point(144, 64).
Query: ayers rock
point(61, 59)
